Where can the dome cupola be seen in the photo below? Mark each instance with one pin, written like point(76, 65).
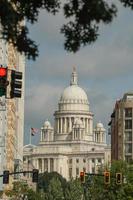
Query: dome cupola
point(74, 97)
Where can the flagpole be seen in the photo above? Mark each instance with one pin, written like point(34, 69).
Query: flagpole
point(30, 135)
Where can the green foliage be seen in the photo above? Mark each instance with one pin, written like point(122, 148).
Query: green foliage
point(127, 3)
point(44, 181)
point(74, 190)
point(52, 186)
point(21, 188)
point(55, 191)
point(84, 18)
point(82, 30)
point(97, 190)
point(12, 15)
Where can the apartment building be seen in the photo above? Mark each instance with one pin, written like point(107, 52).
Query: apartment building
point(121, 129)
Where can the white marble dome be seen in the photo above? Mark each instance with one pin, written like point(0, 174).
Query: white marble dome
point(47, 124)
point(99, 125)
point(74, 97)
point(74, 92)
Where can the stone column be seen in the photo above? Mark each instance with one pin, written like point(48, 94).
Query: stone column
point(48, 164)
point(65, 125)
point(90, 166)
point(69, 124)
point(96, 165)
point(87, 125)
point(60, 125)
point(84, 123)
point(41, 134)
point(57, 125)
point(42, 165)
point(37, 165)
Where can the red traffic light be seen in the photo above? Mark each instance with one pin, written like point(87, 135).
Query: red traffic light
point(82, 177)
point(3, 71)
point(107, 177)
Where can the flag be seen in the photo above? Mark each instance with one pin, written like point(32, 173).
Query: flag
point(34, 131)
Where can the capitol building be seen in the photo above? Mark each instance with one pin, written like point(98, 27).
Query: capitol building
point(72, 144)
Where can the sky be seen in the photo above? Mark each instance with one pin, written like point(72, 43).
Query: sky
point(105, 69)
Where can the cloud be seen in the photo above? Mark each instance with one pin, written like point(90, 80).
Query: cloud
point(41, 102)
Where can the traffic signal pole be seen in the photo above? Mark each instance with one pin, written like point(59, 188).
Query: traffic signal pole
point(3, 127)
point(106, 175)
point(6, 174)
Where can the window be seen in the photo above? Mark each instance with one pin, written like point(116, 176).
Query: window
point(70, 173)
point(70, 161)
point(93, 169)
point(51, 164)
point(77, 160)
point(128, 136)
point(128, 124)
point(128, 159)
point(84, 169)
point(128, 148)
point(24, 158)
point(77, 171)
point(99, 160)
point(128, 112)
point(93, 160)
point(84, 160)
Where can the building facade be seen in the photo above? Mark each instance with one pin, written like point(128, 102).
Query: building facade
point(3, 115)
point(121, 129)
point(11, 115)
point(72, 145)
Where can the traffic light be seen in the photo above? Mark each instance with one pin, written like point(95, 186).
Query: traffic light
point(6, 177)
point(35, 176)
point(82, 177)
point(3, 81)
point(118, 178)
point(16, 84)
point(107, 178)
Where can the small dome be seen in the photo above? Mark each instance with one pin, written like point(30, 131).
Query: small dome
point(47, 124)
point(99, 125)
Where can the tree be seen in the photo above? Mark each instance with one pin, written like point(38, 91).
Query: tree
point(20, 189)
point(55, 191)
point(127, 3)
point(74, 190)
point(98, 190)
point(45, 178)
point(84, 18)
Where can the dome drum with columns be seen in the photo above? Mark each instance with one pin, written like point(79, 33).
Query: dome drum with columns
point(73, 104)
point(73, 145)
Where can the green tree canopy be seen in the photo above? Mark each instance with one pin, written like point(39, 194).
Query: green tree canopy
point(45, 178)
point(74, 190)
point(84, 18)
point(96, 189)
point(55, 191)
point(82, 27)
point(20, 189)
